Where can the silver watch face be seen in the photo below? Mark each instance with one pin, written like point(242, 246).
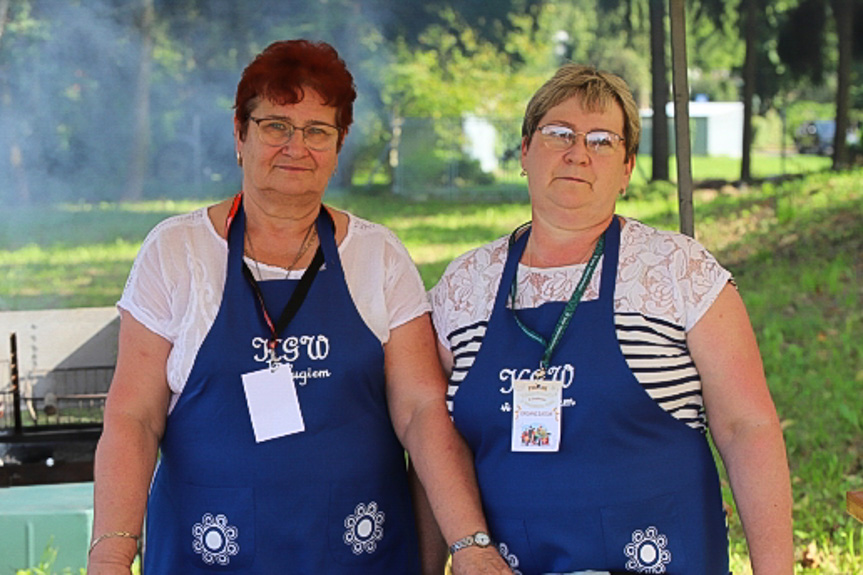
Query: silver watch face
point(482, 539)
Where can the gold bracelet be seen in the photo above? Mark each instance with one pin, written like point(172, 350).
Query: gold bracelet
point(104, 536)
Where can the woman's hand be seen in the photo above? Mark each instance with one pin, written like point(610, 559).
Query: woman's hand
point(112, 557)
point(102, 568)
point(479, 561)
point(94, 568)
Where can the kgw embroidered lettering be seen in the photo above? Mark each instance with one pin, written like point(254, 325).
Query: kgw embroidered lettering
point(293, 348)
point(563, 373)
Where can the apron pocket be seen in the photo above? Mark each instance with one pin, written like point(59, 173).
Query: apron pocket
point(219, 524)
point(644, 536)
point(370, 524)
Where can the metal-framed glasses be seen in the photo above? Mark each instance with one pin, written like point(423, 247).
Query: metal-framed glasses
point(597, 142)
point(278, 132)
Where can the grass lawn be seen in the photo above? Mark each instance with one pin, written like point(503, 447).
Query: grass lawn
point(763, 165)
point(794, 248)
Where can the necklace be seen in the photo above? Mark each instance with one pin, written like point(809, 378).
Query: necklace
point(308, 240)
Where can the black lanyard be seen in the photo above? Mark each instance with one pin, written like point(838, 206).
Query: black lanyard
point(297, 298)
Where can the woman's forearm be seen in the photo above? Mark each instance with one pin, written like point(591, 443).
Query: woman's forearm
point(758, 471)
point(125, 459)
point(433, 548)
point(445, 468)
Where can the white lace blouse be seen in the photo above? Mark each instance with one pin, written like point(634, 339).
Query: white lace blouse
point(665, 283)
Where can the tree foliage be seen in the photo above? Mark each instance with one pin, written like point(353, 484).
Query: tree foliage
point(69, 74)
point(810, 59)
point(801, 44)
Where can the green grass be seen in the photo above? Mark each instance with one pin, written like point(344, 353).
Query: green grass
point(73, 255)
point(794, 248)
point(800, 276)
point(763, 165)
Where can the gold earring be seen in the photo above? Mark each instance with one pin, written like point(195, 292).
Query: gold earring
point(239, 160)
point(523, 173)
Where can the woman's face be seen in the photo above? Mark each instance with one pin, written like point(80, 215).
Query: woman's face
point(291, 169)
point(576, 184)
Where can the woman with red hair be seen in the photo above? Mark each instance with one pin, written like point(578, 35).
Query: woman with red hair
point(277, 353)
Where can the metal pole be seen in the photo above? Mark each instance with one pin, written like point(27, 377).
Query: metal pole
point(677, 16)
point(13, 376)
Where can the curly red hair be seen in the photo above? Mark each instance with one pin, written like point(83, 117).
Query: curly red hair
point(284, 69)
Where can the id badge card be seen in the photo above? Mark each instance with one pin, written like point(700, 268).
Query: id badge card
point(273, 404)
point(536, 415)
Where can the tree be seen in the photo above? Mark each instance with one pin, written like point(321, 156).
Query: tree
point(139, 160)
point(809, 59)
point(658, 63)
point(659, 74)
point(750, 27)
point(755, 21)
point(843, 13)
point(4, 12)
point(15, 158)
point(491, 22)
point(762, 80)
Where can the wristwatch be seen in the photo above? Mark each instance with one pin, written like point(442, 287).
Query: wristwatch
point(478, 539)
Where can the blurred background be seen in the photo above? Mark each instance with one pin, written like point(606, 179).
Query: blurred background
point(115, 114)
point(124, 100)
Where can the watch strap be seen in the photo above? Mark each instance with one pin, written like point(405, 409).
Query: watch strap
point(478, 539)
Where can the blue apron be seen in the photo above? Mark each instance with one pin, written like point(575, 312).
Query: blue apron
point(631, 489)
point(332, 499)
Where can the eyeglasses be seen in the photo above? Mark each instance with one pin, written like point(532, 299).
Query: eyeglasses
point(278, 132)
point(598, 142)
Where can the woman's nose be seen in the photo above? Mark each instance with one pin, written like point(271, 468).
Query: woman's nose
point(296, 145)
point(577, 153)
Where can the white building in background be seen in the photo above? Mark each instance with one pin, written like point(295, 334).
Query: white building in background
point(480, 138)
point(716, 128)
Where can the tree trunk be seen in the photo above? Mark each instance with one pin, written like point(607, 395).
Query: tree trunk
point(4, 12)
point(749, 66)
point(659, 74)
point(843, 12)
point(19, 181)
point(349, 42)
point(140, 156)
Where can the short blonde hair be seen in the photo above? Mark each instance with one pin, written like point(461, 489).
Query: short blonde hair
point(596, 89)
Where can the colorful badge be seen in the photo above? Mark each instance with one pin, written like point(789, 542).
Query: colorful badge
point(536, 415)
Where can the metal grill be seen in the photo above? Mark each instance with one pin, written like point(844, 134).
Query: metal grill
point(50, 422)
point(73, 402)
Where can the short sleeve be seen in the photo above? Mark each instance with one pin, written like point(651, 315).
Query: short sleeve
point(403, 287)
point(700, 279)
point(466, 291)
point(666, 275)
point(147, 294)
point(439, 301)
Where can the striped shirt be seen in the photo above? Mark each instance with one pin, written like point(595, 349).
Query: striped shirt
point(665, 283)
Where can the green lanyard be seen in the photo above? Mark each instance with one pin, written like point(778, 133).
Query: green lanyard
point(568, 311)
